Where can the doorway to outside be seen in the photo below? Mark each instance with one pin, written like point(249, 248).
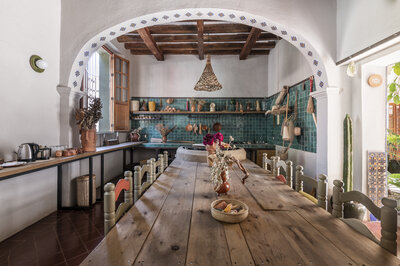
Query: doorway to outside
point(393, 130)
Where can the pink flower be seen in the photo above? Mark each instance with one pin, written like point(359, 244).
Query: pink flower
point(208, 139)
point(218, 136)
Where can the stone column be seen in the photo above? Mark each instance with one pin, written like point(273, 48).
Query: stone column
point(329, 134)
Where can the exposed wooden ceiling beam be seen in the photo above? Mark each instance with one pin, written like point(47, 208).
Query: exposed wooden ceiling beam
point(194, 46)
point(200, 40)
point(239, 37)
point(192, 29)
point(250, 42)
point(196, 52)
point(150, 43)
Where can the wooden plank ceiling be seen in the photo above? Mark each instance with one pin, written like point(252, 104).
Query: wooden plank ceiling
point(199, 37)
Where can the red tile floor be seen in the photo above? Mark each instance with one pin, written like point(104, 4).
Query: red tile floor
point(62, 238)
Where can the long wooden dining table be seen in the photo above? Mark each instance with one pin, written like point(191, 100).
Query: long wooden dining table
point(171, 224)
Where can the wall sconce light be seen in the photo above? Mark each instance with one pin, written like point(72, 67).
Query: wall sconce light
point(351, 69)
point(37, 63)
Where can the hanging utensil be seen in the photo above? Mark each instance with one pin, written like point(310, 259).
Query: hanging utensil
point(285, 128)
point(200, 132)
point(310, 105)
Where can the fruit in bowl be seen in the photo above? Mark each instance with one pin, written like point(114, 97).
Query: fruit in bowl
point(229, 210)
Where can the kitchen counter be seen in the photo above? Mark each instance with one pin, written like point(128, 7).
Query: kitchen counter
point(43, 164)
point(175, 145)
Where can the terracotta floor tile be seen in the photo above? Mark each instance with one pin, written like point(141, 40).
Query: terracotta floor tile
point(77, 260)
point(90, 245)
point(59, 238)
point(50, 258)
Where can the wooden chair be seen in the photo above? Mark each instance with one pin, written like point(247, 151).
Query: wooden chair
point(287, 167)
point(111, 193)
point(159, 166)
point(267, 162)
point(165, 160)
point(319, 185)
point(387, 214)
point(138, 175)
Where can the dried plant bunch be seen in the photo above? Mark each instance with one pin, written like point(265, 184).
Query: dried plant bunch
point(164, 131)
point(87, 118)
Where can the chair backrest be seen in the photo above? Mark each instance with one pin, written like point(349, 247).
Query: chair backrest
point(287, 167)
point(111, 194)
point(319, 185)
point(387, 213)
point(159, 166)
point(165, 160)
point(267, 162)
point(148, 169)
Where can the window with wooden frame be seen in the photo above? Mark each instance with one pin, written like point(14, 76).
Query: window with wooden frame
point(107, 77)
point(121, 93)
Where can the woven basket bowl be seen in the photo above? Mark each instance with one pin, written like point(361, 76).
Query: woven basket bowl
point(229, 217)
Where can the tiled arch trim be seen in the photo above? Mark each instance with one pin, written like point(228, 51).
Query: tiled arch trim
point(105, 36)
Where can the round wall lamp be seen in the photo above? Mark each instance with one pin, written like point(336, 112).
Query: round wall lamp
point(37, 63)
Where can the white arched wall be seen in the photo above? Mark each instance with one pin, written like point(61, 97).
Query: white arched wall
point(309, 26)
point(306, 48)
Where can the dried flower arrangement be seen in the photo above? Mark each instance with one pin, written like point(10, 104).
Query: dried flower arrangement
point(87, 118)
point(221, 162)
point(164, 131)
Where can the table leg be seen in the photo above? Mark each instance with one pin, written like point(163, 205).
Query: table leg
point(124, 160)
point(131, 159)
point(59, 187)
point(102, 176)
point(90, 181)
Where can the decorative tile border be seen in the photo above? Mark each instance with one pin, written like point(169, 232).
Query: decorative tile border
point(234, 16)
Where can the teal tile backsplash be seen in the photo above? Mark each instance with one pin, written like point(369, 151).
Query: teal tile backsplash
point(255, 128)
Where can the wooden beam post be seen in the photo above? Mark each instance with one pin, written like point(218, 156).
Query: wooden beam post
point(250, 42)
point(200, 39)
point(150, 43)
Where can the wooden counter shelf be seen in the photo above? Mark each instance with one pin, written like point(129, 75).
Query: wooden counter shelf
point(197, 113)
point(43, 164)
point(7, 173)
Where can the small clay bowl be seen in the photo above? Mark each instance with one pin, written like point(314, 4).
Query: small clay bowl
point(229, 217)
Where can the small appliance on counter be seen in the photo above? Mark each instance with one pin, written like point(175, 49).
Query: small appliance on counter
point(44, 153)
point(27, 152)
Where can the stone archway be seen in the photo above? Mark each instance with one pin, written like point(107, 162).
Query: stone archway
point(312, 57)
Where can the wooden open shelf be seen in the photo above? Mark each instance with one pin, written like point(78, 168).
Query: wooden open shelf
point(197, 113)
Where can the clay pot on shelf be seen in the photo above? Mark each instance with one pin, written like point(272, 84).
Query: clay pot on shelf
point(224, 187)
point(88, 140)
point(164, 139)
point(193, 108)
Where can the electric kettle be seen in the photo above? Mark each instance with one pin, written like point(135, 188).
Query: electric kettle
point(27, 152)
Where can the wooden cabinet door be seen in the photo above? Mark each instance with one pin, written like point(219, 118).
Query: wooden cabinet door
point(121, 94)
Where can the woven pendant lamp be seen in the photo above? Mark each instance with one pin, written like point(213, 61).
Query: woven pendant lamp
point(208, 81)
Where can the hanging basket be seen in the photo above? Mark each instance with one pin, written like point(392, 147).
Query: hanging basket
point(208, 81)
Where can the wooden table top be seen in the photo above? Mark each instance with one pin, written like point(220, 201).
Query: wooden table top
point(171, 224)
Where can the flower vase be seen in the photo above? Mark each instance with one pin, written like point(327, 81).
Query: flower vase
point(210, 150)
point(224, 187)
point(88, 140)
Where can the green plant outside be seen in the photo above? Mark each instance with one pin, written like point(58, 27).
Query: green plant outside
point(394, 87)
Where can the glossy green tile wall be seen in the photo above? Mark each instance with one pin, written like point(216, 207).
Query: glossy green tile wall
point(307, 141)
point(250, 127)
